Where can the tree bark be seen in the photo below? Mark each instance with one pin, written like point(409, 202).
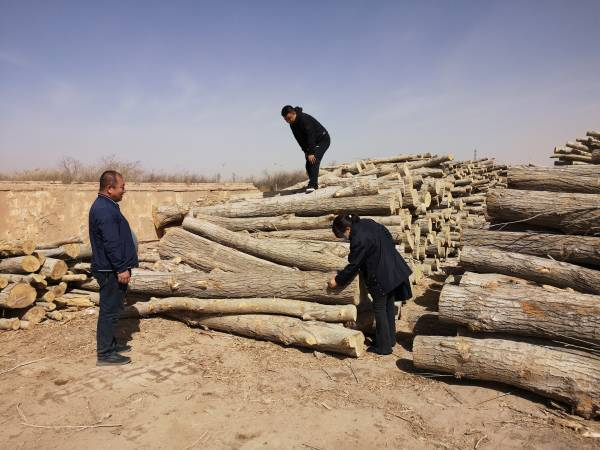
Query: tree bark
point(66, 251)
point(164, 215)
point(567, 376)
point(284, 330)
point(17, 295)
point(582, 179)
point(320, 234)
point(574, 249)
point(35, 279)
point(59, 243)
point(204, 254)
point(16, 248)
point(54, 269)
point(300, 254)
point(515, 307)
point(307, 205)
point(570, 213)
point(34, 314)
point(533, 268)
point(20, 264)
point(280, 306)
point(308, 286)
point(286, 222)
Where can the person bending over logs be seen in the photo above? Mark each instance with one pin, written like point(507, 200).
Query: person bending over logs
point(373, 254)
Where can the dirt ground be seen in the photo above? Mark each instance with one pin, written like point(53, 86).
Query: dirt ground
point(190, 388)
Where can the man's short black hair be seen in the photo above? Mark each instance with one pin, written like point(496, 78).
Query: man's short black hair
point(109, 179)
point(286, 109)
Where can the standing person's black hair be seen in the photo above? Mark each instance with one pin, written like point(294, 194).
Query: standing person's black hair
point(373, 253)
point(313, 139)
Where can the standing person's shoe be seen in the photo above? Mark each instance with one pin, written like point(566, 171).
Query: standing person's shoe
point(114, 359)
point(123, 348)
point(310, 190)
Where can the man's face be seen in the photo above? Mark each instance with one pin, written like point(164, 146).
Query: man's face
point(290, 117)
point(116, 192)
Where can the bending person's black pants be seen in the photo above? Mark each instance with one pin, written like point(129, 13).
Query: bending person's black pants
point(312, 170)
point(112, 299)
point(385, 321)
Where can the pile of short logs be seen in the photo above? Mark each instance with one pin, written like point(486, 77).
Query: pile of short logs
point(529, 298)
point(584, 150)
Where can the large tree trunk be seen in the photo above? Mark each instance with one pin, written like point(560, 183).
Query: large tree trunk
point(285, 307)
point(540, 270)
point(583, 179)
point(308, 286)
point(206, 255)
point(35, 279)
point(307, 205)
point(59, 243)
point(563, 375)
point(573, 249)
point(17, 295)
point(513, 306)
point(16, 248)
point(304, 255)
point(284, 330)
point(66, 251)
point(164, 215)
point(321, 234)
point(20, 264)
point(286, 222)
point(570, 213)
point(54, 268)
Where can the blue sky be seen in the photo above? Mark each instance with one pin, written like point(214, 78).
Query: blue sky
point(198, 86)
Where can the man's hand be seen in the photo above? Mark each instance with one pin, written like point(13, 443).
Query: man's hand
point(332, 283)
point(312, 159)
point(124, 277)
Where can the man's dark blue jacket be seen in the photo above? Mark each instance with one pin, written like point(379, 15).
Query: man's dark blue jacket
point(113, 249)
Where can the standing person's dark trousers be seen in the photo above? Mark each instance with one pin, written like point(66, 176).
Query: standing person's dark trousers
point(312, 170)
point(112, 301)
point(385, 320)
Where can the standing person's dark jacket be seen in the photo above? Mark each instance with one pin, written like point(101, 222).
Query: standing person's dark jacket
point(307, 131)
point(113, 248)
point(374, 254)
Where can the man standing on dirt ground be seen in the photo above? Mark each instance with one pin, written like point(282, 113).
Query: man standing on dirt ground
point(114, 254)
point(313, 139)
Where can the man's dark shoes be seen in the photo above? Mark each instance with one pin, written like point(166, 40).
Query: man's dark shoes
point(114, 359)
point(123, 348)
point(310, 190)
point(377, 351)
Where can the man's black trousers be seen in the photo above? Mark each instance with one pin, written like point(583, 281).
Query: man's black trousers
point(312, 170)
point(112, 299)
point(385, 320)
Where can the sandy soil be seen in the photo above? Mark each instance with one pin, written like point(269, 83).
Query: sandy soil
point(189, 388)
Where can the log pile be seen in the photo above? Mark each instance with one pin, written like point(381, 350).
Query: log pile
point(424, 200)
point(529, 300)
point(585, 150)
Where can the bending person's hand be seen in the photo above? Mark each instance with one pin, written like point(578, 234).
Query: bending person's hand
point(312, 159)
point(332, 284)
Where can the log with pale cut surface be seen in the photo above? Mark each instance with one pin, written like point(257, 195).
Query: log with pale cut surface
point(501, 304)
point(35, 279)
point(17, 295)
point(20, 264)
point(301, 254)
point(582, 179)
point(574, 249)
point(66, 251)
point(284, 330)
point(54, 268)
point(285, 307)
point(10, 324)
point(34, 315)
point(533, 268)
point(285, 222)
point(564, 375)
point(308, 286)
point(204, 254)
point(16, 248)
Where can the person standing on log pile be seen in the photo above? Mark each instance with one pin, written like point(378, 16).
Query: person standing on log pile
point(373, 254)
point(114, 254)
point(313, 139)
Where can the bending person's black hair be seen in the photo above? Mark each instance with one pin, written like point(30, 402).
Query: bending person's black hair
point(343, 221)
point(286, 110)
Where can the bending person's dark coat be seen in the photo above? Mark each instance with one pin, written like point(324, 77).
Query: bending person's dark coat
point(308, 132)
point(374, 254)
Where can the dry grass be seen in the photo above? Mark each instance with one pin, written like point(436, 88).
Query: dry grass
point(71, 170)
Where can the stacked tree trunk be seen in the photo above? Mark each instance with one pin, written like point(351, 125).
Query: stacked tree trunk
point(584, 150)
point(424, 200)
point(537, 290)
